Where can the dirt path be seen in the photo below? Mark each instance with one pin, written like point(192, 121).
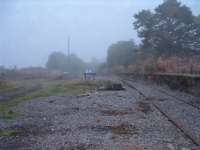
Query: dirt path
point(117, 120)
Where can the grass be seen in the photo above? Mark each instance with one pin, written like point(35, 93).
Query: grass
point(50, 88)
point(6, 111)
point(69, 89)
point(8, 133)
point(6, 86)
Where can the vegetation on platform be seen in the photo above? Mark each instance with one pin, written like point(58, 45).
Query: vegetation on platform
point(8, 133)
point(50, 88)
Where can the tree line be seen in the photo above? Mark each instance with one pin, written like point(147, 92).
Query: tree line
point(170, 30)
point(70, 64)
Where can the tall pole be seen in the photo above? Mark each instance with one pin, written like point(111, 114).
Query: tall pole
point(68, 46)
point(68, 51)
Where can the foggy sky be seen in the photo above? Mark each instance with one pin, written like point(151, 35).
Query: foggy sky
point(31, 29)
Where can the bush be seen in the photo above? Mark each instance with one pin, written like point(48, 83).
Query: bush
point(150, 68)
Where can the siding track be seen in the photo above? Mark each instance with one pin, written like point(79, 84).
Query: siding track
point(189, 133)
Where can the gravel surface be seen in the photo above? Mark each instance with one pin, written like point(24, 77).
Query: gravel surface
point(110, 120)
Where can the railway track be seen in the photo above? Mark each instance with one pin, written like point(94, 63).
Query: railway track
point(190, 103)
point(189, 133)
point(179, 99)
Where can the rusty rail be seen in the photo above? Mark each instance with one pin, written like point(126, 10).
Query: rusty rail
point(175, 97)
point(177, 123)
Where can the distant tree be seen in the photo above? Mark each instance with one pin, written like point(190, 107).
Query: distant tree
point(75, 65)
point(197, 19)
point(144, 24)
point(94, 64)
point(171, 29)
point(57, 61)
point(102, 68)
point(121, 53)
point(71, 64)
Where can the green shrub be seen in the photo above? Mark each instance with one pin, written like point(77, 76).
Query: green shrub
point(150, 68)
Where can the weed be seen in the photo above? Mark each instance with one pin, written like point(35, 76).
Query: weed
point(123, 129)
point(6, 86)
point(115, 112)
point(6, 107)
point(49, 89)
point(144, 107)
point(8, 133)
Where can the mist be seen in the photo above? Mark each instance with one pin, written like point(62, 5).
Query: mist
point(31, 30)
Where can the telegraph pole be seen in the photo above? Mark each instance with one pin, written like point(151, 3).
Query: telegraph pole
point(68, 53)
point(68, 46)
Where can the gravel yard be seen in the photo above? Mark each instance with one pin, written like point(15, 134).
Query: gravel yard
point(110, 120)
